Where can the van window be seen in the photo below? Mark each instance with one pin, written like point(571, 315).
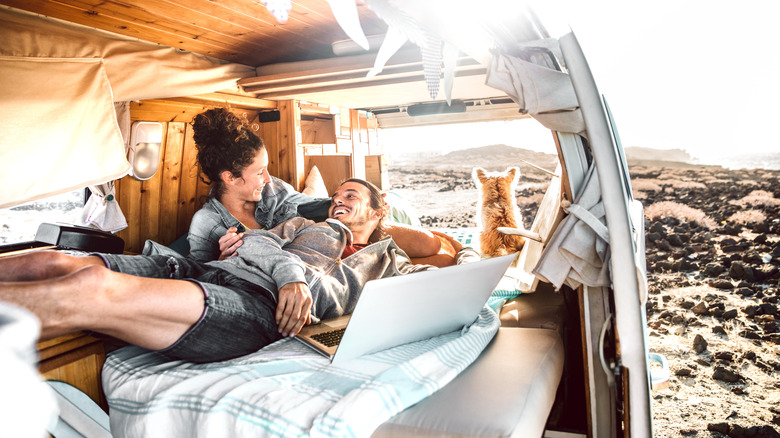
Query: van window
point(19, 223)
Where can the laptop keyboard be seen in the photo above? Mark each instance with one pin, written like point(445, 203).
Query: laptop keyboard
point(330, 338)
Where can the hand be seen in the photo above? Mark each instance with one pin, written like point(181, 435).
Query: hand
point(293, 310)
point(229, 243)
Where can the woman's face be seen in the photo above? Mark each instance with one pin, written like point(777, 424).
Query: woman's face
point(254, 177)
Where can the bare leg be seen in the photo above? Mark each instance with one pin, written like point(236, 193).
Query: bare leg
point(40, 265)
point(148, 312)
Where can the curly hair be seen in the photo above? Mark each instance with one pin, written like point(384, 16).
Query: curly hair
point(224, 142)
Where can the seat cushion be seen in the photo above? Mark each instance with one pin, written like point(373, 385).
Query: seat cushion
point(509, 389)
point(542, 309)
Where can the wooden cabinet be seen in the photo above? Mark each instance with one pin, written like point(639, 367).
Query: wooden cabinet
point(76, 359)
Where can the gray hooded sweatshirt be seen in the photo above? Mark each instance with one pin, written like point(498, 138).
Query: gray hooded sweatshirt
point(300, 250)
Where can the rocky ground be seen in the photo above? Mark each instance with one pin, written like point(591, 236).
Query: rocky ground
point(713, 262)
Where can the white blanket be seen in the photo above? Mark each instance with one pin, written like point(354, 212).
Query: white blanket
point(285, 389)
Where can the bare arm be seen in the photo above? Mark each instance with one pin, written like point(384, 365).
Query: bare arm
point(416, 242)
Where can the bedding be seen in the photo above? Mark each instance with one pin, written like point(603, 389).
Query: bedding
point(285, 389)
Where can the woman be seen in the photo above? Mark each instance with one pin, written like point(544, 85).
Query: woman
point(245, 196)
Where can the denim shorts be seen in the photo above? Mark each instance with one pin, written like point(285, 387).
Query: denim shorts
point(239, 316)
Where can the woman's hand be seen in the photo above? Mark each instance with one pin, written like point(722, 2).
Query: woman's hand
point(229, 243)
point(293, 310)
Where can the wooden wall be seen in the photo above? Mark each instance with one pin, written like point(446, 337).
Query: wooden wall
point(162, 207)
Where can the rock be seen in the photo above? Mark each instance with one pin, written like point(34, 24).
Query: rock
point(745, 291)
point(683, 372)
point(720, 283)
point(726, 374)
point(764, 272)
point(716, 310)
point(768, 309)
point(727, 356)
point(760, 227)
point(722, 427)
point(699, 344)
point(730, 314)
point(674, 240)
point(687, 304)
point(657, 227)
point(664, 245)
point(719, 330)
point(700, 309)
point(752, 257)
point(740, 271)
point(713, 269)
point(750, 334)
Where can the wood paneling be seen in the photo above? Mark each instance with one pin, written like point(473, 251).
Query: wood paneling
point(234, 30)
point(289, 129)
point(161, 208)
point(75, 359)
point(188, 186)
point(171, 180)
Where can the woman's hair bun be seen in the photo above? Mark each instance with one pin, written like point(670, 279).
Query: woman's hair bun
point(215, 126)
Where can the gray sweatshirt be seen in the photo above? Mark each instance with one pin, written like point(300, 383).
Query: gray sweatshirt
point(300, 250)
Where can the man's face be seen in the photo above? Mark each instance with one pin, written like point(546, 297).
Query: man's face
point(351, 204)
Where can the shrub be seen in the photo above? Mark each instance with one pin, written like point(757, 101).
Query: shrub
point(525, 201)
point(679, 211)
point(682, 184)
point(758, 198)
point(645, 185)
point(747, 217)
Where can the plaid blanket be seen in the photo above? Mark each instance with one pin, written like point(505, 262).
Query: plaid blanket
point(285, 389)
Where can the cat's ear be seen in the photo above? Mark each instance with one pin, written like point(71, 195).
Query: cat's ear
point(512, 174)
point(478, 175)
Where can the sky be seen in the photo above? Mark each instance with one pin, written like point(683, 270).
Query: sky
point(702, 76)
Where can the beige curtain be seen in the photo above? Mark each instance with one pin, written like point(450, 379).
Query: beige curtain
point(59, 127)
point(59, 82)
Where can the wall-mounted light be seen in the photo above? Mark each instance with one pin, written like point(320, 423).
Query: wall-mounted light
point(144, 151)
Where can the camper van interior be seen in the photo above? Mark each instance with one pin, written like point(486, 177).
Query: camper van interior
point(99, 96)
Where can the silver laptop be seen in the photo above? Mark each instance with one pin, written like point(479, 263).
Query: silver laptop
point(407, 308)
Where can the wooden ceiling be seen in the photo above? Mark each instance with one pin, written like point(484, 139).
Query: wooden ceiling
point(242, 31)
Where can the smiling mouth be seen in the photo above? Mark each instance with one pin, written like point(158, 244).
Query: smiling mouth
point(340, 210)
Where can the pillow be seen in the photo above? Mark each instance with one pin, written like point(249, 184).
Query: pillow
point(400, 209)
point(314, 186)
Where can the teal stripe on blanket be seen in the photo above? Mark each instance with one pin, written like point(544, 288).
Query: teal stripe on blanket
point(252, 395)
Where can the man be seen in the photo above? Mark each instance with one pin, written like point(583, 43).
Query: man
point(279, 280)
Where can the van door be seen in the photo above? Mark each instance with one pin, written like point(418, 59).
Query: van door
point(626, 238)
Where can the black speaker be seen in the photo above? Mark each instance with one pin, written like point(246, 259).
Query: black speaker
point(269, 116)
point(79, 238)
